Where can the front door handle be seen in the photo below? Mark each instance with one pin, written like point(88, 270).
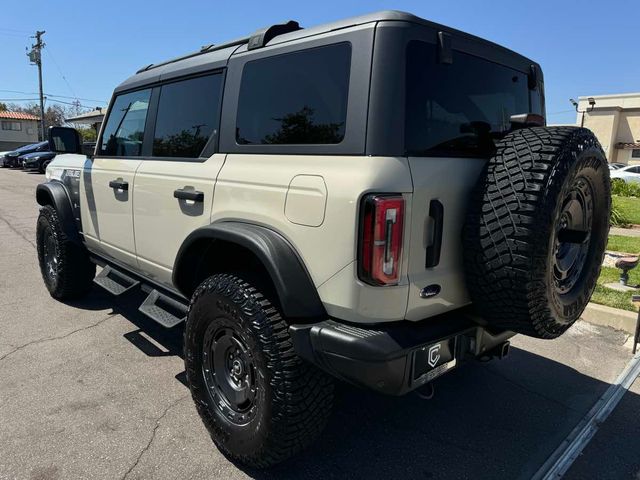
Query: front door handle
point(119, 185)
point(184, 194)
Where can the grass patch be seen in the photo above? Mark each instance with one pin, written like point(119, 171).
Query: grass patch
point(621, 243)
point(613, 298)
point(629, 208)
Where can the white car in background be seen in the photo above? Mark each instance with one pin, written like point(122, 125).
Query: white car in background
point(2, 154)
point(630, 173)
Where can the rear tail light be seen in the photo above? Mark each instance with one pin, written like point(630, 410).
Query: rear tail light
point(380, 250)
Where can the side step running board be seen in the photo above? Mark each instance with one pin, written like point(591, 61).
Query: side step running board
point(164, 310)
point(115, 282)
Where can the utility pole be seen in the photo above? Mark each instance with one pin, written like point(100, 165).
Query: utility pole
point(35, 55)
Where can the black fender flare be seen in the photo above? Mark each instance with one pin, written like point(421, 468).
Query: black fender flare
point(296, 292)
point(54, 193)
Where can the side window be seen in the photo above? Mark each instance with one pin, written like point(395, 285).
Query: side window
point(188, 113)
point(295, 98)
point(124, 130)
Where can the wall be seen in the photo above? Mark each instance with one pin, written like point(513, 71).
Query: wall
point(12, 139)
point(604, 124)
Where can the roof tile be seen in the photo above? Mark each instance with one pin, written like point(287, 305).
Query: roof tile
point(18, 116)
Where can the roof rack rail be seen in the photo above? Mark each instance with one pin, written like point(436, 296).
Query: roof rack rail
point(205, 49)
point(259, 38)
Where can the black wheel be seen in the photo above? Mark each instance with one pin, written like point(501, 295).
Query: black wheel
point(66, 269)
point(43, 166)
point(537, 228)
point(260, 402)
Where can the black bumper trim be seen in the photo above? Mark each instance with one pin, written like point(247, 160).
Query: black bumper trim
point(381, 357)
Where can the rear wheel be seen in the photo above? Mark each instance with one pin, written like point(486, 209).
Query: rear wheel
point(66, 268)
point(537, 229)
point(260, 402)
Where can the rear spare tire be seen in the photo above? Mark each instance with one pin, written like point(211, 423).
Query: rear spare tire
point(536, 230)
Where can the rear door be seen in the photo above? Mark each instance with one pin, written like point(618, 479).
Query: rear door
point(174, 186)
point(106, 185)
point(454, 113)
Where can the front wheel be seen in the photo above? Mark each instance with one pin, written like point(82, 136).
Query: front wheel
point(260, 402)
point(66, 268)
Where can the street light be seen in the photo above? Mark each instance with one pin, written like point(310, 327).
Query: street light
point(592, 105)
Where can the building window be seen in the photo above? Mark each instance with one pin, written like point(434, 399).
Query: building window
point(16, 126)
point(635, 153)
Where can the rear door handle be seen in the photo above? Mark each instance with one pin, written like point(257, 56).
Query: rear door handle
point(183, 194)
point(119, 185)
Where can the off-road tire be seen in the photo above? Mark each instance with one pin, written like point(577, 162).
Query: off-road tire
point(513, 254)
point(293, 398)
point(74, 271)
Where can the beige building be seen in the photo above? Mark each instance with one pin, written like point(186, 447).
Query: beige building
point(17, 129)
point(615, 119)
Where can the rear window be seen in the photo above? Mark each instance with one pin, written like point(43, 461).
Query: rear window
point(459, 109)
point(295, 98)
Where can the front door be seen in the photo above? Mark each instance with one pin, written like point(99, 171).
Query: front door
point(107, 180)
point(173, 191)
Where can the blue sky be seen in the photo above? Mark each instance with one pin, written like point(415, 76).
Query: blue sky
point(584, 47)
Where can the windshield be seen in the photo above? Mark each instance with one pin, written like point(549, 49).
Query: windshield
point(460, 109)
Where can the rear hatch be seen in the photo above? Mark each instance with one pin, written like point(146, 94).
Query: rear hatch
point(455, 111)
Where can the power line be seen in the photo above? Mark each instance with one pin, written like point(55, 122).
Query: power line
point(27, 32)
point(55, 96)
point(50, 53)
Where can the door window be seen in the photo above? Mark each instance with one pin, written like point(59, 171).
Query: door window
point(124, 130)
point(295, 98)
point(188, 114)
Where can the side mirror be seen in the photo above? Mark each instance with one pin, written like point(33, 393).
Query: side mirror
point(64, 140)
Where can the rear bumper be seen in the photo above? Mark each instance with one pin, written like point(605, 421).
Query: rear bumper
point(392, 358)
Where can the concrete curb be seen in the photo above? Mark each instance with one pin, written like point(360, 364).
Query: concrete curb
point(610, 317)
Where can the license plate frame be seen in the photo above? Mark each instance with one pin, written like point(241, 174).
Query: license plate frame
point(434, 360)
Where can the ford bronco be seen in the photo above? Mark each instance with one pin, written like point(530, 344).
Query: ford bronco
point(376, 200)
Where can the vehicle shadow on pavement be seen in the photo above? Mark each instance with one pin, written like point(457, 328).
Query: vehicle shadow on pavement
point(151, 338)
point(500, 419)
point(497, 420)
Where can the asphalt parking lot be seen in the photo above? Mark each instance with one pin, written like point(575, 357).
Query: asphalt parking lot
point(94, 389)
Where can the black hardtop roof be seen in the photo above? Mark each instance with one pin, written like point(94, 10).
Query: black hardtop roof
point(216, 56)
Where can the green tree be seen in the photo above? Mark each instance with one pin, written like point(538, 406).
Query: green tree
point(300, 127)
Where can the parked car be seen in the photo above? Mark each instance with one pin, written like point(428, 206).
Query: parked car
point(11, 158)
point(616, 166)
point(338, 243)
point(2, 154)
point(629, 173)
point(37, 160)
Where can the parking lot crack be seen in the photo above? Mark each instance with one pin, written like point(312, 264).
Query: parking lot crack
point(52, 339)
point(153, 435)
point(18, 232)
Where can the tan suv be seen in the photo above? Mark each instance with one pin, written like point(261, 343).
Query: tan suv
point(376, 199)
